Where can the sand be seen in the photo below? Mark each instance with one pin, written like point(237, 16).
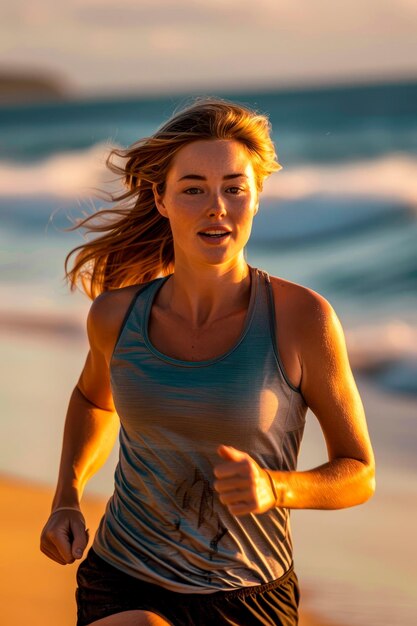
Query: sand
point(34, 589)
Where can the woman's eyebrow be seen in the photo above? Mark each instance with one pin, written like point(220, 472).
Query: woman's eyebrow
point(198, 177)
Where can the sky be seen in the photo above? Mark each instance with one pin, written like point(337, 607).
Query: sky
point(160, 46)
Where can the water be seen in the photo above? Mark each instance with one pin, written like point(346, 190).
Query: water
point(340, 218)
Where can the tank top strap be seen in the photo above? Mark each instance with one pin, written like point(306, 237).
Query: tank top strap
point(132, 311)
point(270, 304)
point(269, 294)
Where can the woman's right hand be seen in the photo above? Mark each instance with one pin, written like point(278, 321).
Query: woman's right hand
point(64, 536)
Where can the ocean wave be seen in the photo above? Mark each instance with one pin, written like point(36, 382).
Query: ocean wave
point(64, 175)
point(324, 217)
point(386, 353)
point(372, 344)
point(72, 174)
point(390, 177)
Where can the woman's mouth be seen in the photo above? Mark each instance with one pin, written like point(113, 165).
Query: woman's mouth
point(214, 238)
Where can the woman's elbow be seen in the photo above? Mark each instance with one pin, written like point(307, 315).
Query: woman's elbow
point(368, 483)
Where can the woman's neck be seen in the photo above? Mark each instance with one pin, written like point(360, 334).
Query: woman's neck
point(201, 298)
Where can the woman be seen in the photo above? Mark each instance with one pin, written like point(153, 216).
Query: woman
point(211, 365)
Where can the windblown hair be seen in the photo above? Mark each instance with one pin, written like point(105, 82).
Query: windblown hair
point(136, 244)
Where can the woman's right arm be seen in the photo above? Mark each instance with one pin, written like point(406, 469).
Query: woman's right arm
point(91, 427)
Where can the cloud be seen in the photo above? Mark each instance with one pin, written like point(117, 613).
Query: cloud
point(149, 44)
point(180, 13)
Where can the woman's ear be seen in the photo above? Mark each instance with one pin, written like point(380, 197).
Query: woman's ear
point(159, 203)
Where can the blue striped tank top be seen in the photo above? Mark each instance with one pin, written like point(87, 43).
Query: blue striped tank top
point(164, 522)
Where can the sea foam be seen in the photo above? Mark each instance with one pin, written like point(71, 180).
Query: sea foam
point(67, 174)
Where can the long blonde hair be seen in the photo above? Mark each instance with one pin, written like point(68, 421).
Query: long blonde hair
point(136, 243)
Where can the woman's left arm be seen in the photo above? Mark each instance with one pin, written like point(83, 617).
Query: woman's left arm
point(330, 391)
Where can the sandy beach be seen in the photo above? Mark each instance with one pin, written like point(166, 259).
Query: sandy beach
point(35, 590)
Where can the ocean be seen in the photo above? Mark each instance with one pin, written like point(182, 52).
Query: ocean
point(339, 218)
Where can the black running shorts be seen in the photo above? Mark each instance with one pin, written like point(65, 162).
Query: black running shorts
point(104, 590)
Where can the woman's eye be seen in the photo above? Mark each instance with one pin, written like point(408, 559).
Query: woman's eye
point(192, 190)
point(195, 190)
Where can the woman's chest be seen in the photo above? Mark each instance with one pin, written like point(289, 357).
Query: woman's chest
point(236, 398)
point(179, 341)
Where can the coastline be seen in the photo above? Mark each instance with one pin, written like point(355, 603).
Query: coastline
point(35, 589)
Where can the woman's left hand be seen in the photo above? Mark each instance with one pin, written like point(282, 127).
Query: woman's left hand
point(243, 486)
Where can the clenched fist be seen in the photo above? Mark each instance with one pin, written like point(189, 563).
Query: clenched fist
point(64, 536)
point(243, 486)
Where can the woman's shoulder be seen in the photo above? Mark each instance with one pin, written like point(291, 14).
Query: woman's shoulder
point(107, 312)
point(303, 312)
point(298, 299)
point(110, 304)
point(307, 328)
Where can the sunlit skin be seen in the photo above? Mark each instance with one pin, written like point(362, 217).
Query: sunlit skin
point(208, 277)
point(200, 311)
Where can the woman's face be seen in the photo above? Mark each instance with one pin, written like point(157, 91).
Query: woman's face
point(210, 184)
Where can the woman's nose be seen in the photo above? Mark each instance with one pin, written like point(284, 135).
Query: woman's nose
point(217, 205)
